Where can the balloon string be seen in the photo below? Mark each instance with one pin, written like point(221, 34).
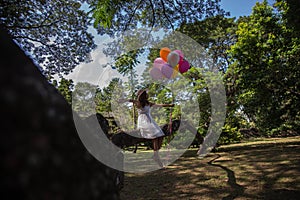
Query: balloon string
point(170, 133)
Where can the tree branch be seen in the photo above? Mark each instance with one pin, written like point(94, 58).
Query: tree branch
point(164, 12)
point(31, 27)
point(132, 15)
point(153, 13)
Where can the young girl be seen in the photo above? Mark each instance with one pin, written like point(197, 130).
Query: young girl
point(147, 126)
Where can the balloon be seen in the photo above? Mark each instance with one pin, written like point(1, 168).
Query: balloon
point(173, 58)
point(184, 66)
point(175, 71)
point(164, 52)
point(156, 73)
point(159, 61)
point(167, 70)
point(181, 56)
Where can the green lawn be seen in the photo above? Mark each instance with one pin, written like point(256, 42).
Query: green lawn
point(262, 169)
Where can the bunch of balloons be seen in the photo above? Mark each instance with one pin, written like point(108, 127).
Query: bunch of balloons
point(168, 64)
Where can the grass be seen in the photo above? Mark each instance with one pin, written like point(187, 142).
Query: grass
point(263, 169)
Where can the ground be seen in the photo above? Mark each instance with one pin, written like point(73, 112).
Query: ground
point(262, 169)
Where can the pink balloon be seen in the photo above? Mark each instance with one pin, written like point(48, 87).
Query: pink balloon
point(180, 55)
point(156, 73)
point(158, 66)
point(167, 70)
point(184, 66)
point(159, 61)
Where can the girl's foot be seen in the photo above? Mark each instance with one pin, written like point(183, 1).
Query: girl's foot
point(157, 160)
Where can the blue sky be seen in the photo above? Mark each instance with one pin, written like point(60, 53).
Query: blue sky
point(240, 7)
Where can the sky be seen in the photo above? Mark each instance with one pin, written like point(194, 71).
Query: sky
point(239, 8)
point(94, 72)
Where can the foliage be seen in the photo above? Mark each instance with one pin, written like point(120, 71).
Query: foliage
point(65, 87)
point(103, 97)
point(216, 34)
point(229, 135)
point(83, 101)
point(266, 68)
point(290, 10)
point(118, 16)
point(53, 32)
point(113, 17)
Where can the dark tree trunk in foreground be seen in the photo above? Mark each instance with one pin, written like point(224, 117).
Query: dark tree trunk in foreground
point(42, 155)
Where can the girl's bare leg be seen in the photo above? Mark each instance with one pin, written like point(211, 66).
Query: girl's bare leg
point(156, 148)
point(159, 142)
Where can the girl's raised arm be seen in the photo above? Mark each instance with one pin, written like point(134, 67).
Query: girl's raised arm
point(127, 100)
point(161, 105)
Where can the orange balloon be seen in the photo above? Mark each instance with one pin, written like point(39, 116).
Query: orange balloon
point(164, 52)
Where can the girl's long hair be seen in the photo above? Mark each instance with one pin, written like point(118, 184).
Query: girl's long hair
point(143, 100)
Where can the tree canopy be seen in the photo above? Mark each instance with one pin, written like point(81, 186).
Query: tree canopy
point(113, 17)
point(53, 32)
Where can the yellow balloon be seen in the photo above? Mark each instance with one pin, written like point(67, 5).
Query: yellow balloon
point(175, 71)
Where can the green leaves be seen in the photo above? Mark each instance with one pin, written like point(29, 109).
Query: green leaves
point(117, 16)
point(54, 32)
point(266, 67)
point(104, 13)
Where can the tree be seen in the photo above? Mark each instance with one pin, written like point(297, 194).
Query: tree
point(118, 16)
point(41, 139)
point(113, 17)
point(53, 32)
point(65, 87)
point(83, 101)
point(266, 65)
point(216, 34)
point(103, 97)
point(290, 11)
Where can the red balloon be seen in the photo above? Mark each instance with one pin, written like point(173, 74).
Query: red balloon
point(184, 66)
point(167, 70)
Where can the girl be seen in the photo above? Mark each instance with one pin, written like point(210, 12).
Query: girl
point(147, 126)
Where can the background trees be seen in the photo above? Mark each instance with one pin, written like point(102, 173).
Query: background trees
point(258, 55)
point(266, 65)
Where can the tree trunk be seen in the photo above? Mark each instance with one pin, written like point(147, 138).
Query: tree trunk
point(42, 154)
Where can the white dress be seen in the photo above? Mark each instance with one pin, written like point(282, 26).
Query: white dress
point(147, 126)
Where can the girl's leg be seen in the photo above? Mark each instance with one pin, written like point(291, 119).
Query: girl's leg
point(155, 144)
point(155, 149)
point(159, 142)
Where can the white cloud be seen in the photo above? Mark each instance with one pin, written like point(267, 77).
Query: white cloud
point(94, 72)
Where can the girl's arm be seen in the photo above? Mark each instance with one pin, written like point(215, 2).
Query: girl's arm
point(127, 100)
point(161, 105)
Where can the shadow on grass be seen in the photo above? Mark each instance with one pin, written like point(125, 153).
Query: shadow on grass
point(256, 171)
point(237, 190)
